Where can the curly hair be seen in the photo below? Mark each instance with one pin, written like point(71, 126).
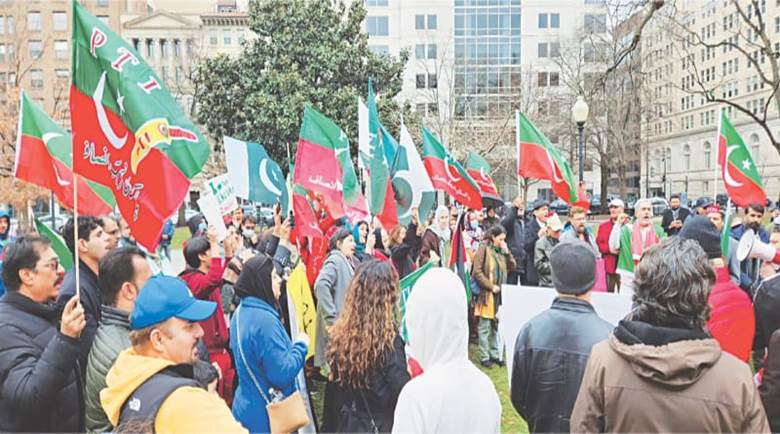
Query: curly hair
point(673, 283)
point(367, 326)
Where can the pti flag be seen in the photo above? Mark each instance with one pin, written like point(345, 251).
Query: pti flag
point(43, 157)
point(740, 175)
point(382, 147)
point(322, 162)
point(447, 174)
point(253, 174)
point(538, 158)
point(128, 132)
point(57, 244)
point(479, 169)
point(413, 188)
point(406, 285)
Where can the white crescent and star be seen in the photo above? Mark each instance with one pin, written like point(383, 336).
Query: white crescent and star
point(482, 174)
point(552, 166)
point(416, 194)
point(726, 175)
point(116, 141)
point(46, 137)
point(269, 185)
point(449, 172)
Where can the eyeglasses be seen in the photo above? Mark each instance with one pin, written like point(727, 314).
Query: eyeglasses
point(54, 264)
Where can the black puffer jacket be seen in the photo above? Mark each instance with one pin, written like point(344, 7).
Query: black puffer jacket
point(551, 353)
point(41, 389)
point(514, 226)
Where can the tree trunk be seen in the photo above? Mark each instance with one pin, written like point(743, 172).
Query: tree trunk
point(604, 182)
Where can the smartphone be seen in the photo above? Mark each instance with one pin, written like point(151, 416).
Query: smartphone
point(292, 220)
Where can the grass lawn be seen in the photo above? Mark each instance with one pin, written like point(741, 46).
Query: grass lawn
point(182, 234)
point(511, 422)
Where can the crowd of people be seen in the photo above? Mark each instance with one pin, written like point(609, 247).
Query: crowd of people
point(120, 344)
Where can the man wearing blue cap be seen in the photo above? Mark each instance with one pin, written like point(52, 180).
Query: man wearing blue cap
point(151, 384)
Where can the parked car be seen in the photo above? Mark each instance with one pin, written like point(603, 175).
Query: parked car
point(559, 207)
point(659, 205)
point(595, 203)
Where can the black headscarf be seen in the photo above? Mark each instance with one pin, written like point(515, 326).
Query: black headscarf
point(255, 279)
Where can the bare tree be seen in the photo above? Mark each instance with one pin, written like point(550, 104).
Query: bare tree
point(745, 32)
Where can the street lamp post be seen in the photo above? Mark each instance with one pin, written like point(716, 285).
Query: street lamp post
point(579, 113)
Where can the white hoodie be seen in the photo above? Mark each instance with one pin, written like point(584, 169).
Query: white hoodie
point(452, 395)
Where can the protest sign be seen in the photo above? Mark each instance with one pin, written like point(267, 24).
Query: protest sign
point(521, 303)
point(210, 209)
point(222, 190)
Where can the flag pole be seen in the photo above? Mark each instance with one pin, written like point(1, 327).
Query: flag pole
point(76, 232)
point(717, 152)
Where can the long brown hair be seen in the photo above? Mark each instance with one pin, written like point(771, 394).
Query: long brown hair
point(367, 326)
point(394, 235)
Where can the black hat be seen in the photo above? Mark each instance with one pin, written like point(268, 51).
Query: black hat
point(703, 202)
point(701, 230)
point(573, 266)
point(538, 203)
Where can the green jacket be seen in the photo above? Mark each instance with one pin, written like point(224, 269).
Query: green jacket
point(112, 337)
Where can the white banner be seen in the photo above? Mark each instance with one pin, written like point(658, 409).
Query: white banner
point(209, 207)
point(521, 303)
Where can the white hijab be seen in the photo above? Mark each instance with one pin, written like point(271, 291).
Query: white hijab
point(442, 233)
point(452, 395)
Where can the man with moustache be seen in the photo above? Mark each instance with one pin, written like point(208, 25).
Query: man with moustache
point(40, 381)
point(151, 387)
point(749, 278)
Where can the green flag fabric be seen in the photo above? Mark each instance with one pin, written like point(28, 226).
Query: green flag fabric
point(57, 243)
point(407, 284)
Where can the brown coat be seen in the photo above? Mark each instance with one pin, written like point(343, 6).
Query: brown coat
point(430, 241)
point(683, 386)
point(481, 268)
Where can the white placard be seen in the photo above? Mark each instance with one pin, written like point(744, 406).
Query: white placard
point(221, 188)
point(210, 209)
point(521, 303)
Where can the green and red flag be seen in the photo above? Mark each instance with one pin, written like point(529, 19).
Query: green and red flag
point(480, 170)
point(458, 256)
point(57, 244)
point(128, 132)
point(407, 285)
point(738, 169)
point(447, 174)
point(43, 157)
point(382, 148)
point(323, 164)
point(538, 158)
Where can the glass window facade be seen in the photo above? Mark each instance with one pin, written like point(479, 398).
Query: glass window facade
point(377, 26)
point(487, 57)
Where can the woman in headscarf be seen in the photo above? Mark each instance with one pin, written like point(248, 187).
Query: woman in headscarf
point(331, 288)
point(366, 354)
point(364, 243)
point(264, 356)
point(436, 235)
point(451, 395)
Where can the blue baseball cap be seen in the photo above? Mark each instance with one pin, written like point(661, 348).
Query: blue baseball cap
point(165, 297)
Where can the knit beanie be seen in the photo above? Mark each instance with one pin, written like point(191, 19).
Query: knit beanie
point(701, 230)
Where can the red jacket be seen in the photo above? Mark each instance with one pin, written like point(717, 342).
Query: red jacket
point(602, 240)
point(206, 287)
point(732, 320)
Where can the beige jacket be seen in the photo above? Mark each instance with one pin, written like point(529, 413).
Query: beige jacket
point(683, 386)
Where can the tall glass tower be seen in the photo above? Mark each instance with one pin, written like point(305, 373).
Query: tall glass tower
point(487, 58)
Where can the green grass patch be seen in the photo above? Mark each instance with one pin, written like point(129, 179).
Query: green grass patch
point(182, 234)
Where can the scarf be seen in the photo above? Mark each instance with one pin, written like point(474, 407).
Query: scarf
point(637, 246)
